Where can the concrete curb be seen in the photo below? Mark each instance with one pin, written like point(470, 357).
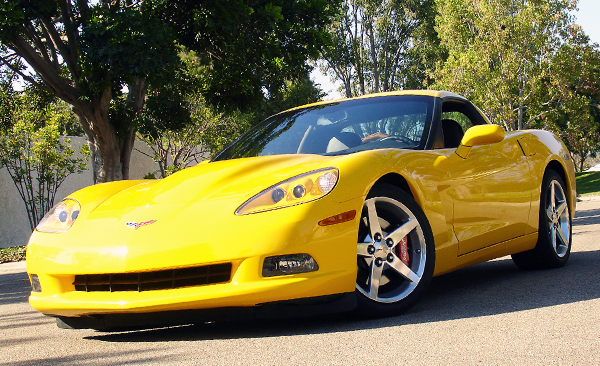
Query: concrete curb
point(12, 267)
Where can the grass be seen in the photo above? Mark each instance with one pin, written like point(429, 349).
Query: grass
point(12, 254)
point(588, 183)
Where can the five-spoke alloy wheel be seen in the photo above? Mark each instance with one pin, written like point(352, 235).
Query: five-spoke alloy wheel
point(395, 252)
point(554, 235)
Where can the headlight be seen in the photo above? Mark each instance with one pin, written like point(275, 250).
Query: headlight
point(294, 191)
point(60, 218)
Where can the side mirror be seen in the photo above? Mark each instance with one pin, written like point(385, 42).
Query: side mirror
point(479, 135)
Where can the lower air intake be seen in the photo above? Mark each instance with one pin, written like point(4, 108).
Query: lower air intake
point(156, 280)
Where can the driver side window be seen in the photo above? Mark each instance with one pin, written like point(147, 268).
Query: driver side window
point(464, 121)
point(457, 118)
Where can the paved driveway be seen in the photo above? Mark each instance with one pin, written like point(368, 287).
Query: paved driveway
point(488, 314)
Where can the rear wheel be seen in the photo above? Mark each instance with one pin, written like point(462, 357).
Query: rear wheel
point(395, 253)
point(554, 236)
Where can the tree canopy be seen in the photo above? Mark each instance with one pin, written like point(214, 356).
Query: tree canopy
point(500, 54)
point(379, 46)
point(102, 56)
point(249, 46)
point(526, 64)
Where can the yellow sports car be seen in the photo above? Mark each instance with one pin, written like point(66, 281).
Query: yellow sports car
point(336, 206)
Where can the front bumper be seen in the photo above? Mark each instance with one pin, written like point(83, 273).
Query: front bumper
point(57, 258)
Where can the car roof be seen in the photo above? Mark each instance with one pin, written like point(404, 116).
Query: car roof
point(432, 93)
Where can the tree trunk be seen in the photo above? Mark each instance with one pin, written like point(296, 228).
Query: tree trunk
point(105, 145)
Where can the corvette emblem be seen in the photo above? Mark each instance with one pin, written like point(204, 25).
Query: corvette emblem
point(136, 225)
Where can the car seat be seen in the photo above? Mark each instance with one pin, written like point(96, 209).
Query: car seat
point(343, 141)
point(452, 132)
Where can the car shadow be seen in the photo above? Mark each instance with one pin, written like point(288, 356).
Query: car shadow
point(14, 288)
point(490, 288)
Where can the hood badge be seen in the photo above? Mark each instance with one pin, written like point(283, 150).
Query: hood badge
point(136, 225)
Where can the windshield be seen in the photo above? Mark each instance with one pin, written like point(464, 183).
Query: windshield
point(400, 121)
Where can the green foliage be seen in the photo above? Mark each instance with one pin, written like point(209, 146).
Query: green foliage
point(575, 76)
point(248, 46)
point(105, 57)
point(588, 183)
point(129, 41)
point(526, 64)
point(37, 157)
point(208, 133)
point(12, 254)
point(292, 94)
point(500, 53)
point(378, 46)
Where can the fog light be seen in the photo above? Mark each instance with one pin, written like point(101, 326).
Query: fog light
point(288, 264)
point(35, 283)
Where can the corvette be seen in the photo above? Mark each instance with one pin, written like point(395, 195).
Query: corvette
point(346, 205)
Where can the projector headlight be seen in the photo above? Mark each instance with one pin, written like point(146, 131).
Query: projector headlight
point(294, 191)
point(60, 218)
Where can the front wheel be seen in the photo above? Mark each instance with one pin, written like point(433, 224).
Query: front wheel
point(554, 234)
point(395, 253)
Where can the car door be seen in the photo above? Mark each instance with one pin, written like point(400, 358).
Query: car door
point(490, 188)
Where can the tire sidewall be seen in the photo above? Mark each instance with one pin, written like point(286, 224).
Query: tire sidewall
point(369, 308)
point(544, 243)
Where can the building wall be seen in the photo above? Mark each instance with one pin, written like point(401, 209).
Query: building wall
point(14, 225)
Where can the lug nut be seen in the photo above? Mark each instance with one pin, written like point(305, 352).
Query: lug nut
point(378, 262)
point(377, 237)
point(389, 242)
point(390, 257)
point(371, 249)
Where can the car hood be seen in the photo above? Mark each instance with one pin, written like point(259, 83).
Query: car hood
point(240, 178)
point(150, 223)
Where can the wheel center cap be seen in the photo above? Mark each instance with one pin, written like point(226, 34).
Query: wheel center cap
point(382, 250)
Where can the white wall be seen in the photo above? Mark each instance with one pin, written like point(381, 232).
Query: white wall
point(14, 225)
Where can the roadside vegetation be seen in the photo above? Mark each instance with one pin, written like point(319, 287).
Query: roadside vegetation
point(588, 183)
point(12, 254)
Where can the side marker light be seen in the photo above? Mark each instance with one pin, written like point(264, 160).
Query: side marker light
point(339, 218)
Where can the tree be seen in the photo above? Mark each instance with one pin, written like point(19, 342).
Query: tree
point(249, 48)
point(500, 54)
point(37, 158)
point(85, 53)
point(575, 76)
point(294, 93)
point(379, 46)
point(208, 133)
point(101, 56)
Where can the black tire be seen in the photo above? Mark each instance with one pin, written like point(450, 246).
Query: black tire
point(395, 253)
point(554, 233)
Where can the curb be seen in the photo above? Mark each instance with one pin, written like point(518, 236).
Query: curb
point(12, 267)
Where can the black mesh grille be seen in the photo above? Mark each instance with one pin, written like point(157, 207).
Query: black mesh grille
point(157, 280)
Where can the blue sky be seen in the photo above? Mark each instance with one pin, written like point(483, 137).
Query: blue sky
point(588, 17)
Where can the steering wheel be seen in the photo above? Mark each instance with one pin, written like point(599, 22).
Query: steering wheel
point(398, 138)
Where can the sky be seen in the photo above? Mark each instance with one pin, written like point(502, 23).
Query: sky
point(587, 17)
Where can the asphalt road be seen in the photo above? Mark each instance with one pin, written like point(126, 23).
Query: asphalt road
point(488, 314)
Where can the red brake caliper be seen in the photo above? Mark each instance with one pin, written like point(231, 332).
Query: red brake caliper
point(403, 250)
